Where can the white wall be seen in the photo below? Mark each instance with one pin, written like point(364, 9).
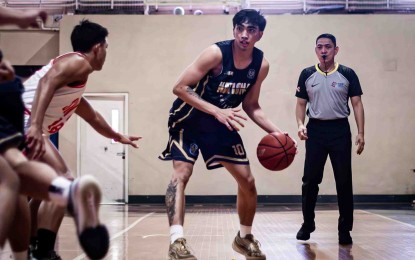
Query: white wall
point(147, 53)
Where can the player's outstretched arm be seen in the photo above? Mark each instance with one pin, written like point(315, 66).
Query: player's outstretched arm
point(251, 105)
point(95, 119)
point(23, 19)
point(127, 139)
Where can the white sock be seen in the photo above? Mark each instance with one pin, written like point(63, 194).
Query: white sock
point(245, 230)
point(20, 255)
point(59, 190)
point(176, 231)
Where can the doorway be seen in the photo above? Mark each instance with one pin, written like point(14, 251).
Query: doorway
point(101, 157)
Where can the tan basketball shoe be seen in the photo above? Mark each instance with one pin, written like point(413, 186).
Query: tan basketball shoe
point(180, 250)
point(248, 246)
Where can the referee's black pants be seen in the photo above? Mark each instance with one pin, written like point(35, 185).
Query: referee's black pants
point(333, 138)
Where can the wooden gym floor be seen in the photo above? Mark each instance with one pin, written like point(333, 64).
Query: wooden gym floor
point(141, 232)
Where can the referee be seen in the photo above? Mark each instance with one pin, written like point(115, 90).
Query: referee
point(326, 89)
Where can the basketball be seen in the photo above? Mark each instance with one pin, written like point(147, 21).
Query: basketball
point(276, 151)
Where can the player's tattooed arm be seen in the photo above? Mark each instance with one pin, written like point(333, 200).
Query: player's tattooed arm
point(171, 200)
point(191, 92)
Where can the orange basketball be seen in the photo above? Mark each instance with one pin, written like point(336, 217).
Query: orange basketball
point(276, 151)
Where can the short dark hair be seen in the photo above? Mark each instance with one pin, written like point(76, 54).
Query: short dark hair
point(328, 36)
point(251, 16)
point(86, 34)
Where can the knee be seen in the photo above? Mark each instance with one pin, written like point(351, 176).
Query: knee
point(311, 181)
point(248, 185)
point(181, 178)
point(181, 173)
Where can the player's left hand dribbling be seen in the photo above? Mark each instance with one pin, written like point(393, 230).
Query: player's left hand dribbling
point(295, 142)
point(231, 118)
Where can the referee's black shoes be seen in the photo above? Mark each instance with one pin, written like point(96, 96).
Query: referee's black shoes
point(304, 232)
point(345, 238)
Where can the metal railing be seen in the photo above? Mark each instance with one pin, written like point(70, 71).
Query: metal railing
point(279, 6)
point(308, 6)
point(225, 4)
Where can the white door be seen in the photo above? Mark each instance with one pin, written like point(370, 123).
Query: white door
point(102, 157)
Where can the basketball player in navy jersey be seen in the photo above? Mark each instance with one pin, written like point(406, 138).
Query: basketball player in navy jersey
point(205, 117)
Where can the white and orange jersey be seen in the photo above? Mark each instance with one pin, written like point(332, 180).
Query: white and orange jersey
point(64, 102)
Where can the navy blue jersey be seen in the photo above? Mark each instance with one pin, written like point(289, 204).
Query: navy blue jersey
point(328, 94)
point(226, 90)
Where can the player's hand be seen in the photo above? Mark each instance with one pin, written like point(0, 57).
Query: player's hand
point(360, 142)
point(130, 140)
point(6, 71)
point(30, 18)
point(302, 132)
point(295, 142)
point(231, 118)
point(35, 143)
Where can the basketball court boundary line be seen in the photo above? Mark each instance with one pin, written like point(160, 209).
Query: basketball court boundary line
point(121, 232)
point(388, 218)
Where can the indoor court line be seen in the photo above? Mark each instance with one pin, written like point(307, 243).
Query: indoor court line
point(168, 235)
point(388, 218)
point(121, 232)
point(156, 235)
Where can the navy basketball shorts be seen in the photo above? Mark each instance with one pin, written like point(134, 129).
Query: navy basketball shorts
point(9, 136)
point(11, 114)
point(216, 146)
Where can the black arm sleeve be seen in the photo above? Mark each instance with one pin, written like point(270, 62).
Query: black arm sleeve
point(354, 89)
point(301, 91)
